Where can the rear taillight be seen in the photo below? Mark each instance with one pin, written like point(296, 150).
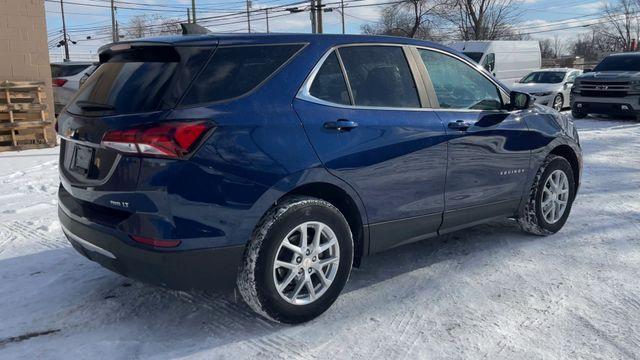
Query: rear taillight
point(173, 140)
point(58, 82)
point(155, 242)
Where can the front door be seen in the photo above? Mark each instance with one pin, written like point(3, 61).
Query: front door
point(363, 113)
point(487, 157)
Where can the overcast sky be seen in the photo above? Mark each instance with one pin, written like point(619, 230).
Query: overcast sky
point(93, 18)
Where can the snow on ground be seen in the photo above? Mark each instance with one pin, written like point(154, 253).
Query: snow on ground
point(490, 292)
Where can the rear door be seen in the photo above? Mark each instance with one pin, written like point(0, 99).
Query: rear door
point(488, 157)
point(363, 109)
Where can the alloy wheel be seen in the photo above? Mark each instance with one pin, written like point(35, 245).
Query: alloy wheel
point(557, 103)
point(555, 196)
point(306, 263)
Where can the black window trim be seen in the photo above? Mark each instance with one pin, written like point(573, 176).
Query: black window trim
point(305, 94)
point(426, 93)
point(179, 105)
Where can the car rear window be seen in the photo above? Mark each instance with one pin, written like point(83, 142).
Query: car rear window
point(139, 80)
point(66, 70)
point(236, 70)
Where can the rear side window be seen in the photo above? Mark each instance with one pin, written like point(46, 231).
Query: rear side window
point(235, 71)
point(380, 76)
point(66, 70)
point(329, 84)
point(139, 80)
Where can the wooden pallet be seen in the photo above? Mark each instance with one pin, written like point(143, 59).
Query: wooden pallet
point(23, 115)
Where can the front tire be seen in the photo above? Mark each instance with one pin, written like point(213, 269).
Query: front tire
point(298, 260)
point(558, 102)
point(550, 198)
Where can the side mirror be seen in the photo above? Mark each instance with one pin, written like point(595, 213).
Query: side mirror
point(568, 84)
point(520, 100)
point(587, 70)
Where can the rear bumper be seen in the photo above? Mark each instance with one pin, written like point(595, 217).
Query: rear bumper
point(213, 268)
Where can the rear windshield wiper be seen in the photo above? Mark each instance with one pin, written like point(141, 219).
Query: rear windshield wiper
point(93, 106)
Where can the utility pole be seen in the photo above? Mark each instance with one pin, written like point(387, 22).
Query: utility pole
point(248, 16)
point(114, 31)
point(266, 12)
point(342, 14)
point(193, 10)
point(314, 27)
point(319, 16)
point(188, 16)
point(64, 34)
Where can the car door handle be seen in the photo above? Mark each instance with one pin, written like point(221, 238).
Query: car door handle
point(459, 125)
point(341, 125)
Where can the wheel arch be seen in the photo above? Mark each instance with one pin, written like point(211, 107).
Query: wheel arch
point(347, 205)
point(568, 153)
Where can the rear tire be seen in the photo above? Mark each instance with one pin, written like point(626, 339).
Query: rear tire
point(286, 279)
point(550, 198)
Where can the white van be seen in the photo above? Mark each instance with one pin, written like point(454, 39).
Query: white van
point(509, 61)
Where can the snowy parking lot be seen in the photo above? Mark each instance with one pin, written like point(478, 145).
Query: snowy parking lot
point(489, 292)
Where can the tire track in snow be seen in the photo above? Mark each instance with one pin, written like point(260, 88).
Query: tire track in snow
point(6, 238)
point(31, 233)
point(237, 320)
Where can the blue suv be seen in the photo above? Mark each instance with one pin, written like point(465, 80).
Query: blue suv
point(275, 163)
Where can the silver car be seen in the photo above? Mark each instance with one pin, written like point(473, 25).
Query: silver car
point(550, 87)
point(67, 77)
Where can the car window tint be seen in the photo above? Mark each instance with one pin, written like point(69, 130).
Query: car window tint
point(66, 70)
point(572, 76)
point(143, 79)
point(329, 84)
point(234, 71)
point(380, 76)
point(458, 85)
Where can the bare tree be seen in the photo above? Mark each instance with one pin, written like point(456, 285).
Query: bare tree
point(558, 46)
point(546, 49)
point(621, 23)
point(410, 18)
point(140, 26)
point(483, 19)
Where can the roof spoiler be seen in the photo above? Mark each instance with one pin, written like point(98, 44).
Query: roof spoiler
point(193, 29)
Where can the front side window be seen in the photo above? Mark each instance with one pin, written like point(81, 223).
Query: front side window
point(236, 70)
point(458, 85)
point(490, 62)
point(329, 84)
point(475, 56)
point(544, 77)
point(572, 76)
point(380, 76)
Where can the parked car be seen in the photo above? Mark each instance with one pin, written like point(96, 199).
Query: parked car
point(612, 88)
point(507, 60)
point(66, 81)
point(551, 87)
point(276, 162)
